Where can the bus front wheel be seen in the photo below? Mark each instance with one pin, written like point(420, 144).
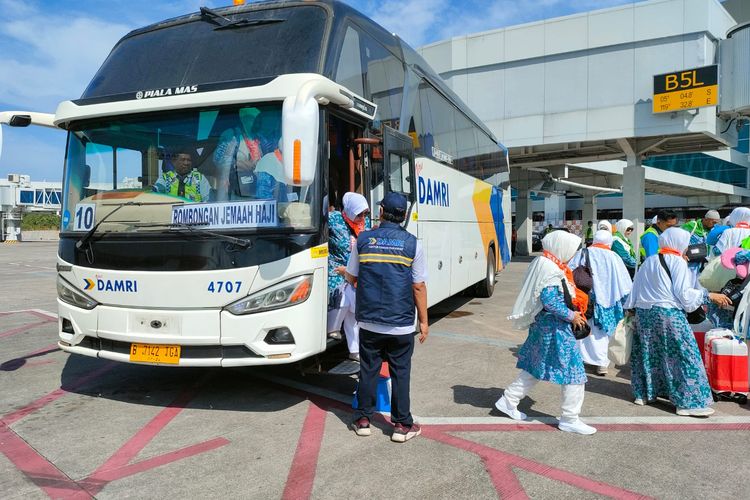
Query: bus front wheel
point(485, 287)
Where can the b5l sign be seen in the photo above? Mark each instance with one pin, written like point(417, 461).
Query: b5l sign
point(687, 89)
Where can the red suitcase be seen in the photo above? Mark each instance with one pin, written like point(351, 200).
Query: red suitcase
point(726, 361)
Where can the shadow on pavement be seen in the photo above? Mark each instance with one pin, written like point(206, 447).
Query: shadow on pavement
point(485, 397)
point(235, 389)
point(448, 306)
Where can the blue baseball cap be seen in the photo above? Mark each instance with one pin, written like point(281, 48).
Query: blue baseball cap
point(394, 203)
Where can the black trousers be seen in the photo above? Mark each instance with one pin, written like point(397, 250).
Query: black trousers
point(374, 348)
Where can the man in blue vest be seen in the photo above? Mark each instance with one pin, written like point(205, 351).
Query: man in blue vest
point(388, 267)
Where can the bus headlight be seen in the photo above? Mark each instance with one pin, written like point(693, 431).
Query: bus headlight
point(292, 292)
point(70, 295)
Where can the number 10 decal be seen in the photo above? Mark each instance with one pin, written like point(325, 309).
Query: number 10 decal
point(84, 216)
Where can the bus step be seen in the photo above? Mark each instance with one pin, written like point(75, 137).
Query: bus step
point(346, 367)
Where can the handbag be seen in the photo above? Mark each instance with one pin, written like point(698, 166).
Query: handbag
point(582, 275)
point(621, 341)
point(733, 289)
point(578, 332)
point(694, 317)
point(697, 252)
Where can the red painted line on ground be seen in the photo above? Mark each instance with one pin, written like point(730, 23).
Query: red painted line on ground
point(129, 450)
point(21, 361)
point(37, 468)
point(97, 481)
point(498, 462)
point(43, 350)
point(49, 317)
point(21, 329)
point(40, 362)
point(504, 480)
point(299, 483)
point(17, 415)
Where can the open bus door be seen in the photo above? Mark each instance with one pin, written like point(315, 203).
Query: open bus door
point(400, 174)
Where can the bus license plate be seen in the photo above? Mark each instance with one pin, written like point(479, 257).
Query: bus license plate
point(155, 353)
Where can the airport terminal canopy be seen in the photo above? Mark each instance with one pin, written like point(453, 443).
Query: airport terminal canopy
point(581, 88)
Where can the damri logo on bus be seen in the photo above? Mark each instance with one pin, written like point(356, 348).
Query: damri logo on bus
point(434, 192)
point(111, 285)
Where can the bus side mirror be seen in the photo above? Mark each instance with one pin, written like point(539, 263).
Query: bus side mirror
point(299, 136)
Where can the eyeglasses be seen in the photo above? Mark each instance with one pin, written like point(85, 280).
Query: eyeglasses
point(628, 229)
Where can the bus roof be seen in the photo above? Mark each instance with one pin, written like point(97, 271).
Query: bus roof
point(337, 15)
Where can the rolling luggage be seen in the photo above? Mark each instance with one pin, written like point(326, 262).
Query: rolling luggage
point(726, 362)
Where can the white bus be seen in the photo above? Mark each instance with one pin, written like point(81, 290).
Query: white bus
point(281, 107)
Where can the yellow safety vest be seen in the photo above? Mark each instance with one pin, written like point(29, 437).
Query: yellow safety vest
point(649, 230)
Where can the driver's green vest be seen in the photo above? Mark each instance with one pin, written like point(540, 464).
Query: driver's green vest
point(192, 184)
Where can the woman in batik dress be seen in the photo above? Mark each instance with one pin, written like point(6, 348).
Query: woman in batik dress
point(343, 229)
point(665, 359)
point(550, 352)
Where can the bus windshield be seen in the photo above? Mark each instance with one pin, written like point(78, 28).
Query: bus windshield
point(196, 52)
point(215, 168)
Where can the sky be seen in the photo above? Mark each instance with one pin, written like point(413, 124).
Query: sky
point(49, 50)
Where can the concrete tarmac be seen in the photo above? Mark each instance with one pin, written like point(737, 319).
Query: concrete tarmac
point(78, 427)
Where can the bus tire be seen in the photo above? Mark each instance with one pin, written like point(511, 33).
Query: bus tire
point(485, 287)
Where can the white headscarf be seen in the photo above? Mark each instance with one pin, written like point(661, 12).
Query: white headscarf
point(603, 237)
point(739, 214)
point(652, 286)
point(543, 273)
point(622, 225)
point(354, 204)
point(604, 224)
point(675, 237)
point(733, 236)
point(611, 279)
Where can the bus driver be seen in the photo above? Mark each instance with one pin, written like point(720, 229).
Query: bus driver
point(185, 181)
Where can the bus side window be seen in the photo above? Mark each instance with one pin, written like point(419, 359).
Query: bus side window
point(349, 70)
point(398, 173)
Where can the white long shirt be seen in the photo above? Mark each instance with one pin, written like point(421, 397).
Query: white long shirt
point(652, 287)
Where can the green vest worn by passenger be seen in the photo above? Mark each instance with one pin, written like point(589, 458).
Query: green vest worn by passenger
point(647, 231)
point(192, 185)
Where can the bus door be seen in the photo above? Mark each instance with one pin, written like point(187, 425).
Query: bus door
point(399, 171)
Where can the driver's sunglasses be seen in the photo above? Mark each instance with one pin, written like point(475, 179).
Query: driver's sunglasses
point(628, 229)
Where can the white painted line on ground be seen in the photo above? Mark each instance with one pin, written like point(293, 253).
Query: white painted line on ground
point(648, 420)
point(505, 344)
point(51, 315)
point(588, 420)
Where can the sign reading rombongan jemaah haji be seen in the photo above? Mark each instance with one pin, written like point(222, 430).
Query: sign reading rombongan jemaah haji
point(258, 213)
point(686, 89)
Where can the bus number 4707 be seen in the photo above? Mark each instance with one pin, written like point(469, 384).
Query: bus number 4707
point(224, 286)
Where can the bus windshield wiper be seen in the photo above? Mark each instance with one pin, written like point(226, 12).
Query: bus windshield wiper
point(212, 14)
point(224, 23)
point(86, 237)
point(196, 229)
point(241, 23)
